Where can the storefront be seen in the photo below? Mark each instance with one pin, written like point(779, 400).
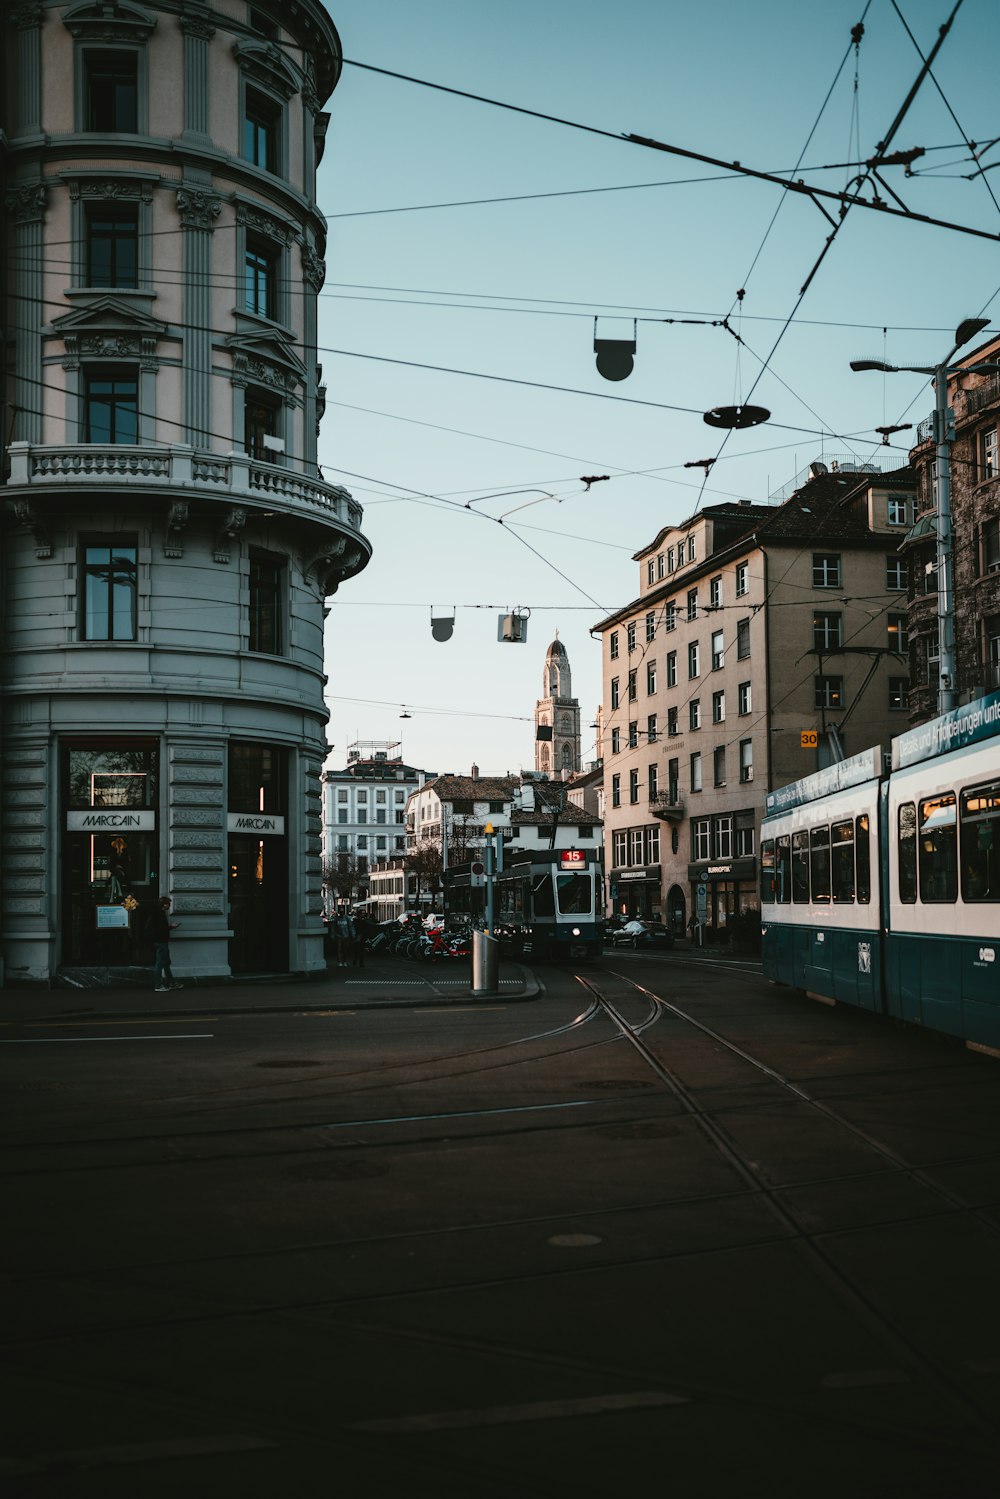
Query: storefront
point(721, 891)
point(110, 850)
point(258, 858)
point(636, 892)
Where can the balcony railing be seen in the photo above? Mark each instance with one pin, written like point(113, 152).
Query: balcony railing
point(234, 477)
point(668, 805)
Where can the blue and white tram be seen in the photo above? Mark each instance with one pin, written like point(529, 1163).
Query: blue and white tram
point(547, 905)
point(883, 890)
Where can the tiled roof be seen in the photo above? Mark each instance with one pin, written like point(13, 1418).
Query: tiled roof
point(479, 789)
point(570, 816)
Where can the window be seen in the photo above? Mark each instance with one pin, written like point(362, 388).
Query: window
point(616, 741)
point(937, 849)
point(112, 84)
point(863, 859)
point(112, 246)
point(990, 545)
point(342, 815)
point(746, 760)
point(981, 843)
point(650, 626)
point(653, 845)
point(616, 791)
point(110, 572)
point(266, 590)
point(692, 603)
point(613, 647)
point(690, 548)
point(895, 575)
point(930, 571)
point(719, 765)
point(672, 729)
point(671, 668)
point(842, 862)
point(361, 815)
point(651, 677)
point(906, 852)
point(694, 713)
point(342, 796)
point(362, 839)
point(110, 407)
point(630, 637)
point(783, 870)
point(673, 779)
point(659, 566)
point(633, 785)
point(742, 579)
point(933, 658)
point(715, 593)
point(828, 632)
point(670, 559)
point(633, 691)
point(619, 848)
point(800, 867)
point(380, 796)
point(745, 835)
point(380, 815)
point(693, 659)
point(696, 772)
point(262, 416)
point(742, 639)
point(635, 846)
point(744, 699)
point(261, 127)
point(898, 512)
point(829, 692)
point(615, 692)
point(819, 864)
point(670, 615)
point(899, 693)
point(653, 781)
point(260, 281)
point(988, 453)
point(767, 882)
point(701, 838)
point(722, 837)
point(263, 24)
point(718, 650)
point(650, 573)
point(826, 570)
point(718, 707)
point(633, 734)
point(898, 641)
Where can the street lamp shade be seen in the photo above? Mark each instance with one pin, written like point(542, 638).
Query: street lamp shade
point(968, 328)
point(873, 364)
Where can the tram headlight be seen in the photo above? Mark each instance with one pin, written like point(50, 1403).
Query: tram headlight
point(576, 931)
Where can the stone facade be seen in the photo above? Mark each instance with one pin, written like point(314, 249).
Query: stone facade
point(168, 541)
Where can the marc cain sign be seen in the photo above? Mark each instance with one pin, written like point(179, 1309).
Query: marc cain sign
point(255, 822)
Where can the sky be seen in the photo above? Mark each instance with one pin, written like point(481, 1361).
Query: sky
point(471, 248)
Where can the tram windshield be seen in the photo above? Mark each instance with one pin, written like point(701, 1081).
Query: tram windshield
point(575, 894)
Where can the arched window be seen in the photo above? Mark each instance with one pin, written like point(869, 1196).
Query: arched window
point(566, 758)
point(544, 757)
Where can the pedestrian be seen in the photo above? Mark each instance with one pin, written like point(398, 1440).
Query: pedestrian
point(362, 929)
point(344, 931)
point(158, 930)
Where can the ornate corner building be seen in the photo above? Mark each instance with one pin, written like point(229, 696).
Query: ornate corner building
point(167, 541)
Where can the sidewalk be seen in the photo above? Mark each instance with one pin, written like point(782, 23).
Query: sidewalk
point(389, 983)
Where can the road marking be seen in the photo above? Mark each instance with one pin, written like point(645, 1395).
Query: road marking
point(529, 1108)
point(62, 1025)
point(80, 1040)
point(539, 1410)
point(459, 1009)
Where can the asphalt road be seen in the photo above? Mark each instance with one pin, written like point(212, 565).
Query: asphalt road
point(664, 1225)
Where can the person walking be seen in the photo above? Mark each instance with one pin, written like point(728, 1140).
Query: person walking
point(159, 929)
point(344, 931)
point(362, 931)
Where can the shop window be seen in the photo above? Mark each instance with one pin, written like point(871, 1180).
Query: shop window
point(110, 577)
point(111, 81)
point(111, 406)
point(267, 586)
point(112, 246)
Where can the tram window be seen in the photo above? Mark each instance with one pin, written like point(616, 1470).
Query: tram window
point(981, 843)
point(783, 870)
point(573, 894)
point(767, 872)
point(819, 860)
point(937, 849)
point(863, 859)
point(541, 896)
point(800, 868)
point(907, 853)
point(842, 861)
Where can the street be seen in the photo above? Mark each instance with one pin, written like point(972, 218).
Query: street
point(662, 1222)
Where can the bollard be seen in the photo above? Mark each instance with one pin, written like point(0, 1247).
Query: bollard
point(485, 963)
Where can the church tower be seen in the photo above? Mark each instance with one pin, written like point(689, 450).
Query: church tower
point(558, 711)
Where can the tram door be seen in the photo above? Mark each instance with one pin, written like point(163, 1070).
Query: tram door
point(258, 903)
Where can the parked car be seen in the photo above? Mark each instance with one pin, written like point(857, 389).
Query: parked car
point(642, 934)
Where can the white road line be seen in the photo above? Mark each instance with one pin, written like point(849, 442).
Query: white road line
point(80, 1040)
point(539, 1410)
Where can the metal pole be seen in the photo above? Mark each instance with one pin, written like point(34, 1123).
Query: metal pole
point(943, 436)
point(489, 859)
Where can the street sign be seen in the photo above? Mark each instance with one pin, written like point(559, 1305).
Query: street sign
point(701, 902)
point(477, 875)
point(809, 739)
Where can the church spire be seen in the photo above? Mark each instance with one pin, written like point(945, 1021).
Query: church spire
point(557, 712)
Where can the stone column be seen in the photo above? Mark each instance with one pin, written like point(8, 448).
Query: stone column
point(198, 32)
point(198, 208)
point(305, 863)
point(313, 276)
point(27, 20)
point(25, 204)
point(29, 867)
point(196, 855)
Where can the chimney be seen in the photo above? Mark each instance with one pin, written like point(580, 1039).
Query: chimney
point(475, 772)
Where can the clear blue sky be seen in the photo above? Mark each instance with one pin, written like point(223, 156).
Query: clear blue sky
point(511, 288)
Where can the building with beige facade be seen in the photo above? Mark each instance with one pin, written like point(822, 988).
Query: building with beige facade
point(765, 640)
point(168, 541)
